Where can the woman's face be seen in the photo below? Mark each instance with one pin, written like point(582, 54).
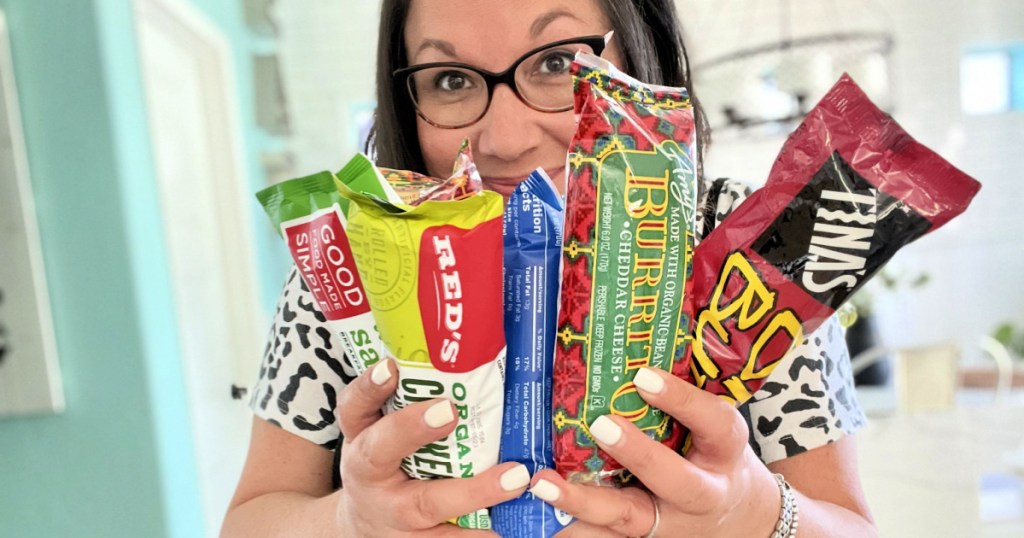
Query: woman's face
point(512, 139)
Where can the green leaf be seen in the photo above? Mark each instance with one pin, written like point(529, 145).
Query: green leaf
point(1003, 334)
point(921, 280)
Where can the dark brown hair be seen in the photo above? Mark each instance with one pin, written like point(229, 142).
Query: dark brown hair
point(648, 33)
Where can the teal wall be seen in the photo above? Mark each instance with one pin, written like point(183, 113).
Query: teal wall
point(118, 461)
point(95, 469)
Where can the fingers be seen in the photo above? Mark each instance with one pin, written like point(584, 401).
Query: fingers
point(376, 453)
point(626, 512)
point(661, 469)
point(719, 433)
point(451, 531)
point(428, 502)
point(360, 401)
point(581, 529)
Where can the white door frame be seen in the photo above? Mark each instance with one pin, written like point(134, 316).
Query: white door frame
point(234, 350)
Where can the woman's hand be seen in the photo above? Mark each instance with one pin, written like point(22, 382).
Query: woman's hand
point(719, 489)
point(377, 498)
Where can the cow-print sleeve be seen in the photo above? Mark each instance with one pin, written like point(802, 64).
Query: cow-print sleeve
point(809, 399)
point(716, 201)
point(303, 369)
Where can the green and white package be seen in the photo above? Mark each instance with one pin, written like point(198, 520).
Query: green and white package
point(310, 215)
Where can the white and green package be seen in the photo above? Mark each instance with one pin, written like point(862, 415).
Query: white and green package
point(310, 215)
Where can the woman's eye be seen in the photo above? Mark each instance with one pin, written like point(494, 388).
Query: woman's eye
point(556, 63)
point(452, 81)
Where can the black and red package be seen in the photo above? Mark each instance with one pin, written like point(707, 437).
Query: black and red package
point(849, 189)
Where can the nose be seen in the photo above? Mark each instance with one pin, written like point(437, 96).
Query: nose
point(508, 131)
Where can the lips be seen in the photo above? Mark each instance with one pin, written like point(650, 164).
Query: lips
point(502, 185)
point(505, 185)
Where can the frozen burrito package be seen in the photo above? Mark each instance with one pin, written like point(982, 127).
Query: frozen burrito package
point(432, 275)
point(533, 252)
point(849, 188)
point(414, 188)
point(309, 213)
point(630, 218)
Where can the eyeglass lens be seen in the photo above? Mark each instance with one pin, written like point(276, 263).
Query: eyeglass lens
point(454, 96)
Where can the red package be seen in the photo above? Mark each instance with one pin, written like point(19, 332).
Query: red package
point(849, 189)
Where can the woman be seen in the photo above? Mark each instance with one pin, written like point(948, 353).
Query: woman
point(725, 486)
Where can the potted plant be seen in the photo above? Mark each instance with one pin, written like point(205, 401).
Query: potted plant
point(1005, 345)
point(1012, 338)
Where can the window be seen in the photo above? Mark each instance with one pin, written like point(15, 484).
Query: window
point(992, 80)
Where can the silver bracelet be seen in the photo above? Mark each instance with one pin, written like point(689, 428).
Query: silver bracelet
point(789, 516)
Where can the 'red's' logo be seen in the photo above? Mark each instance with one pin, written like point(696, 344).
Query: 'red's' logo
point(460, 295)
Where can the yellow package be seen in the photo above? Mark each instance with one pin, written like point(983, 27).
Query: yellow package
point(433, 278)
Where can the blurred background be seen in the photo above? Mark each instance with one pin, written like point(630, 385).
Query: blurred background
point(138, 274)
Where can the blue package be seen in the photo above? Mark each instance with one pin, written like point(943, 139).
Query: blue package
point(533, 251)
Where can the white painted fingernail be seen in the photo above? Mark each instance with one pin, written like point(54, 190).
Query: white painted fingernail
point(605, 430)
point(381, 373)
point(545, 491)
point(439, 414)
point(648, 380)
point(515, 478)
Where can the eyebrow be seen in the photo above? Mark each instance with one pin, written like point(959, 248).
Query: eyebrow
point(544, 20)
point(439, 44)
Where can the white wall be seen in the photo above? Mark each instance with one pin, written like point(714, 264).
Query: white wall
point(977, 261)
point(328, 57)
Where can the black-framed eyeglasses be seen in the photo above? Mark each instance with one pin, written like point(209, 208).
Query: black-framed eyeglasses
point(451, 95)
